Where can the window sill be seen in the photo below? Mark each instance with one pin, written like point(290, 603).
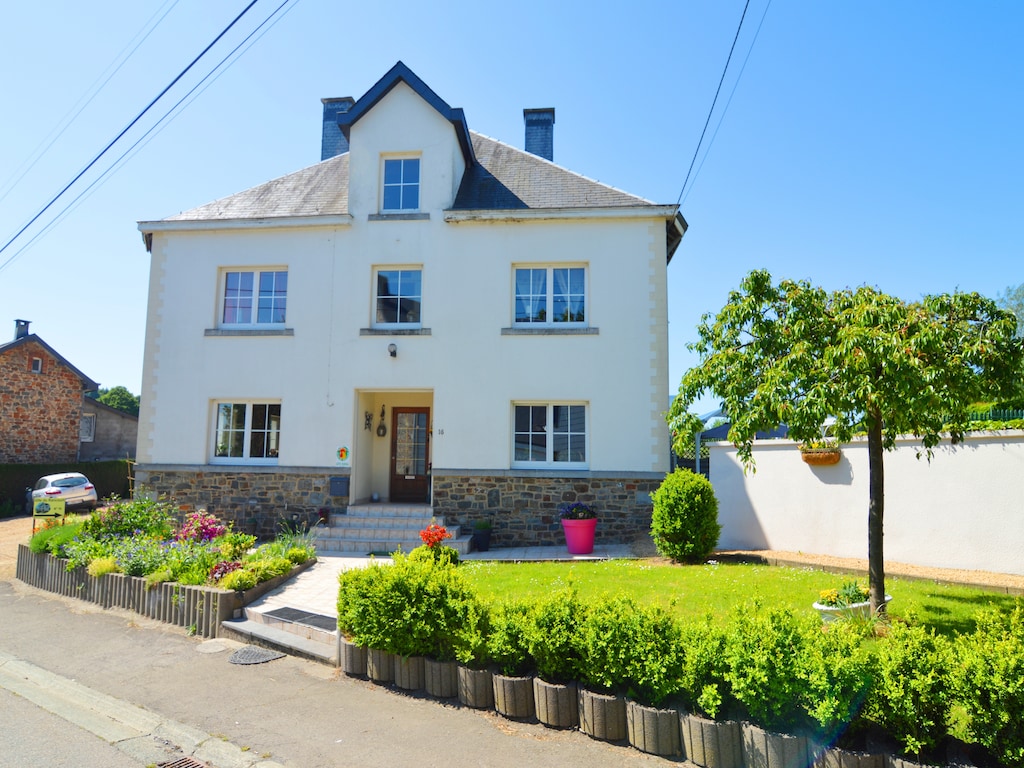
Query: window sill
point(398, 216)
point(549, 331)
point(394, 332)
point(249, 332)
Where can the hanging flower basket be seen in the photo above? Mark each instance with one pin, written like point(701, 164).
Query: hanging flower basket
point(820, 457)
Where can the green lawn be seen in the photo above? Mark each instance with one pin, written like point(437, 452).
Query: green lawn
point(693, 591)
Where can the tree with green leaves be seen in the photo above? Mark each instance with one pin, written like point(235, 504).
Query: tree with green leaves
point(859, 360)
point(120, 398)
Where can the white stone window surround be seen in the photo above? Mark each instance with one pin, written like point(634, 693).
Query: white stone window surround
point(552, 435)
point(252, 297)
point(36, 365)
point(550, 296)
point(87, 428)
point(245, 431)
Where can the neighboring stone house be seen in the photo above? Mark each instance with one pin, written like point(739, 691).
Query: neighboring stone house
point(107, 434)
point(40, 401)
point(426, 316)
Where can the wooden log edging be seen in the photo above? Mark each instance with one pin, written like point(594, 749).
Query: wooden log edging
point(199, 609)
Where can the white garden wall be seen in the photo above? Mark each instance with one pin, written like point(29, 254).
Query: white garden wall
point(963, 509)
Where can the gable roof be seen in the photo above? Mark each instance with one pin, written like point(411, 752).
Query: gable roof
point(402, 74)
point(88, 384)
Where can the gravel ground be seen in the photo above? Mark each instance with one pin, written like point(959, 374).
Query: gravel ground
point(17, 530)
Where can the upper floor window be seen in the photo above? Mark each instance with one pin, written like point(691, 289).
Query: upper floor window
point(550, 434)
point(550, 295)
point(401, 184)
point(36, 366)
point(399, 296)
point(87, 428)
point(255, 297)
point(247, 432)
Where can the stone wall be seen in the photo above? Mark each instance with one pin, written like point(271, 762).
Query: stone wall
point(257, 500)
point(523, 507)
point(40, 412)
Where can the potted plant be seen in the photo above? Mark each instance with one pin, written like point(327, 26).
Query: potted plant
point(850, 600)
point(579, 521)
point(482, 534)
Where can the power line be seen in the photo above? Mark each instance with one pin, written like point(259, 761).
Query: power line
point(138, 117)
point(90, 93)
point(157, 127)
point(729, 100)
point(717, 91)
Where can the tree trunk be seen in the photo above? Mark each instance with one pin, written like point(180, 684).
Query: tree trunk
point(876, 510)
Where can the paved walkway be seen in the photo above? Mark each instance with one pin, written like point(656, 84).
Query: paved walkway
point(316, 589)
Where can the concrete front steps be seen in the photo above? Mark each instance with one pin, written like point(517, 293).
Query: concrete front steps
point(383, 528)
point(288, 630)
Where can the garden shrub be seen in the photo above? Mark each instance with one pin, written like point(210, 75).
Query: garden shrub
point(702, 676)
point(508, 642)
point(910, 697)
point(988, 682)
point(140, 516)
point(101, 566)
point(469, 641)
point(234, 545)
point(54, 539)
point(553, 636)
point(201, 526)
point(239, 580)
point(763, 649)
point(297, 555)
point(439, 553)
point(159, 577)
point(684, 522)
point(838, 670)
point(413, 607)
point(137, 556)
point(631, 649)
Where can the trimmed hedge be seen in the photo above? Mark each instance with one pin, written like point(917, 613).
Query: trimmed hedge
point(109, 477)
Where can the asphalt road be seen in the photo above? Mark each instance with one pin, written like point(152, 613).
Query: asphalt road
point(173, 688)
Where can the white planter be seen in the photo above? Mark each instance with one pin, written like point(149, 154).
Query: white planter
point(852, 611)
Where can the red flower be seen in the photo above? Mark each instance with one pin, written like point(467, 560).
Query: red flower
point(434, 534)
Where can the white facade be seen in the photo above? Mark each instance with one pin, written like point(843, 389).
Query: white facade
point(328, 366)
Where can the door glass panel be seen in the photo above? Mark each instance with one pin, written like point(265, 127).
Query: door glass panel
point(411, 444)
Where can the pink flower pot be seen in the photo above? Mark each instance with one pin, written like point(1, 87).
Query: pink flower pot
point(579, 535)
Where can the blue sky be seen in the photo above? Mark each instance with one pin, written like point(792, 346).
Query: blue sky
point(869, 142)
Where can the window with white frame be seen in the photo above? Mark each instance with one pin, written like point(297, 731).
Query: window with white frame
point(254, 297)
point(247, 432)
point(549, 434)
point(401, 187)
point(550, 295)
point(36, 366)
point(398, 296)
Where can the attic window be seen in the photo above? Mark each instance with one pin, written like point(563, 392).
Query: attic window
point(37, 365)
point(401, 188)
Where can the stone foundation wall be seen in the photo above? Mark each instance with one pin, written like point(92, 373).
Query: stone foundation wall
point(258, 500)
point(523, 508)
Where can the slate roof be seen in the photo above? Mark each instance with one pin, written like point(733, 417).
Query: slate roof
point(503, 178)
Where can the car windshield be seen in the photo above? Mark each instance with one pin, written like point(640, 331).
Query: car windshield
point(70, 482)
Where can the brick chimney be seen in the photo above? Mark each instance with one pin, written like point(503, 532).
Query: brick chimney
point(20, 329)
point(334, 142)
point(540, 132)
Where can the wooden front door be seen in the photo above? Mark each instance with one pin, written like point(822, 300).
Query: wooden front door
point(410, 455)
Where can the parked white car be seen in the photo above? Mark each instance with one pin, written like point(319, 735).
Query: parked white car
point(73, 487)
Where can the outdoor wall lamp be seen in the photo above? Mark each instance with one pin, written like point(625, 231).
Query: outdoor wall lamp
point(392, 350)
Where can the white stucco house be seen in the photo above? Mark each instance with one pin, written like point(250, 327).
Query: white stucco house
point(427, 315)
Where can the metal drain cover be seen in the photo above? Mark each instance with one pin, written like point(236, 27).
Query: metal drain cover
point(183, 762)
point(252, 654)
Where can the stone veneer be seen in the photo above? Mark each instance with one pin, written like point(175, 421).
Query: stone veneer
point(256, 499)
point(523, 506)
point(41, 412)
